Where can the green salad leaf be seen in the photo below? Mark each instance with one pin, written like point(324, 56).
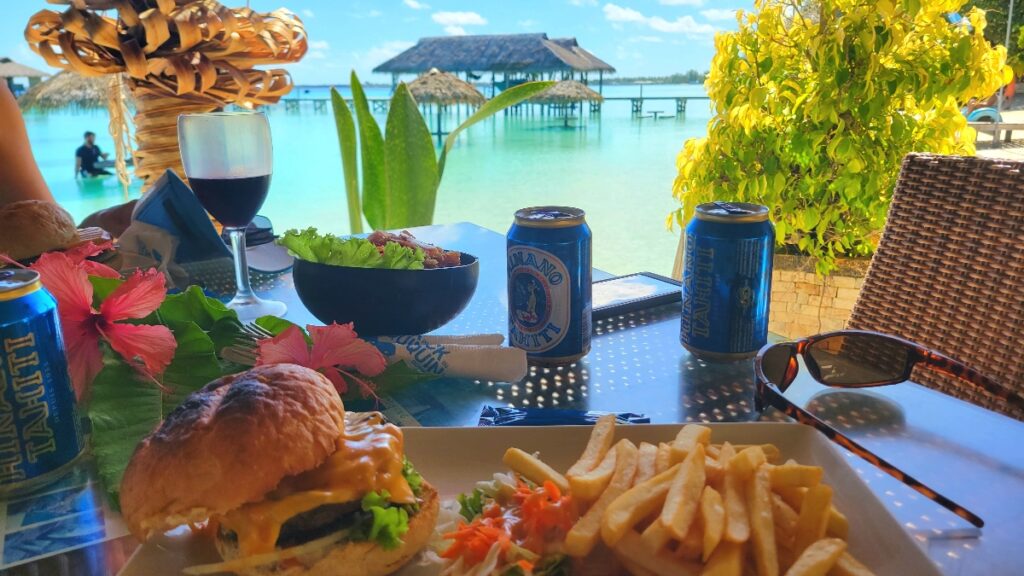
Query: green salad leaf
point(383, 523)
point(412, 477)
point(471, 505)
point(313, 246)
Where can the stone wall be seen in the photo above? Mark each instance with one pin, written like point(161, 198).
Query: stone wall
point(804, 304)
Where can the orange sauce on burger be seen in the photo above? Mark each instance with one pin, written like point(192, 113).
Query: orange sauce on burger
point(368, 459)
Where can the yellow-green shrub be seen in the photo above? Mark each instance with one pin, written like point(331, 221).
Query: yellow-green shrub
point(816, 102)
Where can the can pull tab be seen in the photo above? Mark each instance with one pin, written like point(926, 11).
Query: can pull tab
point(729, 208)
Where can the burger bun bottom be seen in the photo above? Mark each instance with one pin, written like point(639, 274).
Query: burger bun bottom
point(359, 558)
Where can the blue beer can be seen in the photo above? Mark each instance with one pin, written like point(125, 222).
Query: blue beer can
point(727, 280)
point(549, 277)
point(40, 432)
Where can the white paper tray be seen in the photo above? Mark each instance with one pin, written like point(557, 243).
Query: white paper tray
point(453, 459)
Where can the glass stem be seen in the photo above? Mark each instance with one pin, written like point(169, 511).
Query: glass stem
point(243, 289)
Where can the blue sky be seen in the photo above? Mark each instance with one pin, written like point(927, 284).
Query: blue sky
point(638, 37)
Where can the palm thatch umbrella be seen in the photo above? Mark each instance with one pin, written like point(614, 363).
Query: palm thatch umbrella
point(67, 90)
point(440, 89)
point(567, 92)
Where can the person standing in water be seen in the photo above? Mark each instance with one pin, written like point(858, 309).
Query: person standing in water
point(86, 157)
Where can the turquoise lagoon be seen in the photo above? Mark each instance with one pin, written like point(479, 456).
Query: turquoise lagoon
point(617, 167)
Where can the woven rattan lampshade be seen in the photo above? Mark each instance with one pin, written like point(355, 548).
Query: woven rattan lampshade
point(179, 56)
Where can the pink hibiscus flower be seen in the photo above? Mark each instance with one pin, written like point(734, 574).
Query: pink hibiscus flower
point(336, 352)
point(148, 348)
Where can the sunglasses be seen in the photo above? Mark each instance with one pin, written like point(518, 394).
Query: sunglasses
point(861, 359)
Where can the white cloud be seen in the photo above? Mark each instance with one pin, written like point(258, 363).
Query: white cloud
point(374, 14)
point(527, 23)
point(308, 13)
point(318, 49)
point(681, 25)
point(455, 22)
point(416, 5)
point(364, 62)
point(719, 13)
point(459, 19)
point(651, 39)
point(616, 13)
point(681, 2)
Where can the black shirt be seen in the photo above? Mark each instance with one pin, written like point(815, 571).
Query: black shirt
point(89, 156)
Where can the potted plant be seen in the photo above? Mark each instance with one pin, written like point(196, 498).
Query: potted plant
point(816, 102)
point(400, 169)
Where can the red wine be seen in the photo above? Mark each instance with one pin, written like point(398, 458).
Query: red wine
point(234, 202)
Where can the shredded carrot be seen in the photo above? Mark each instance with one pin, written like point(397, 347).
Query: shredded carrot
point(473, 541)
point(526, 566)
point(545, 514)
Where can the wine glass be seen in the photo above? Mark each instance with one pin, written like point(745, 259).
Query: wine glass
point(228, 159)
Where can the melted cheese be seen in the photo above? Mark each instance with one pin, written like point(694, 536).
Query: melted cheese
point(368, 459)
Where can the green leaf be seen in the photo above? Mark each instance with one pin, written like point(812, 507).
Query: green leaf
point(471, 505)
point(385, 524)
point(507, 98)
point(346, 128)
point(376, 200)
point(412, 165)
point(399, 375)
point(273, 324)
point(102, 287)
point(194, 306)
point(194, 365)
point(125, 407)
point(312, 246)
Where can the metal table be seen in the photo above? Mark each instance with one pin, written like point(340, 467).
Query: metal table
point(970, 454)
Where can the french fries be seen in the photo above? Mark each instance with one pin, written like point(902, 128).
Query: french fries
point(712, 513)
point(762, 527)
point(584, 535)
point(785, 519)
point(601, 440)
point(737, 523)
point(838, 525)
point(790, 474)
point(813, 519)
point(683, 497)
point(660, 562)
point(849, 566)
point(646, 468)
point(663, 459)
point(727, 560)
point(690, 507)
point(589, 486)
point(533, 469)
point(747, 461)
point(635, 504)
point(818, 558)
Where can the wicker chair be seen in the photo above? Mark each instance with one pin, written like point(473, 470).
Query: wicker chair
point(949, 270)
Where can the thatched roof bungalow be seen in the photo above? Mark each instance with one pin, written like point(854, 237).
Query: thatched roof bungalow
point(516, 55)
point(9, 70)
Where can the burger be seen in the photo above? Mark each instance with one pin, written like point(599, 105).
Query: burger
point(286, 482)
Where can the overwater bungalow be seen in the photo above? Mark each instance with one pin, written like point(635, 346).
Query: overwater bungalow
point(516, 57)
point(11, 70)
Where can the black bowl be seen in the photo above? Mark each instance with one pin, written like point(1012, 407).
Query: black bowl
point(386, 302)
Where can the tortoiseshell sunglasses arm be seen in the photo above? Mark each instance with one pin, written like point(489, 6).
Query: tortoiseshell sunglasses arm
point(949, 366)
point(777, 400)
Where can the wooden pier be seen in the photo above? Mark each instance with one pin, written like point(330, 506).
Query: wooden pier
point(380, 105)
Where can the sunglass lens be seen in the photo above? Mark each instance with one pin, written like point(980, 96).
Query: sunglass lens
point(859, 360)
point(775, 362)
